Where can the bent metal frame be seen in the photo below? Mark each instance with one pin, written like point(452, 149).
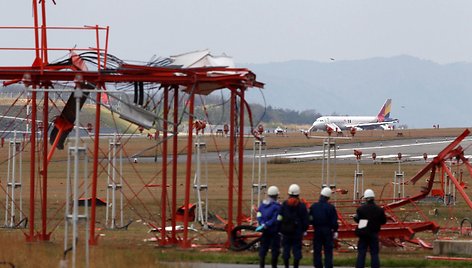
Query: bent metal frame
point(40, 77)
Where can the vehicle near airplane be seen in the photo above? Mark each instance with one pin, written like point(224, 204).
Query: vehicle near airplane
point(339, 123)
point(279, 131)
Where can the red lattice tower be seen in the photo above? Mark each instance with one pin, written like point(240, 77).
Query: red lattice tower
point(198, 81)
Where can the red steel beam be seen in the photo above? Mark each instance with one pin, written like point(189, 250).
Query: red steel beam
point(174, 163)
point(93, 240)
point(44, 236)
point(419, 196)
point(44, 38)
point(449, 151)
point(36, 33)
point(447, 258)
point(457, 184)
point(164, 167)
point(240, 157)
point(232, 137)
point(467, 163)
point(186, 241)
point(163, 77)
point(30, 236)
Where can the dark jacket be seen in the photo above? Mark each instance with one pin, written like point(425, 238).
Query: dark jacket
point(373, 213)
point(294, 208)
point(267, 215)
point(324, 215)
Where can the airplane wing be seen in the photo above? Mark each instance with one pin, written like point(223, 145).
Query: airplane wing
point(384, 125)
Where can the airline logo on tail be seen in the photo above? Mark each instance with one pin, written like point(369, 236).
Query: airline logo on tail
point(384, 112)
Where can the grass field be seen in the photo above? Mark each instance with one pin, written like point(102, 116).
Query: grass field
point(142, 205)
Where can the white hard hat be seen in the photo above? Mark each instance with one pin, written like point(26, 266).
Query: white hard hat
point(294, 189)
point(369, 194)
point(272, 191)
point(326, 192)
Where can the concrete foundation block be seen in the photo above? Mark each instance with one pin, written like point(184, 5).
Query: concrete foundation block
point(452, 247)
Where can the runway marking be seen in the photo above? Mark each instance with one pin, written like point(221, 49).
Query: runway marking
point(319, 153)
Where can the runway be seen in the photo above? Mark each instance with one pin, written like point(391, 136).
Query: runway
point(411, 150)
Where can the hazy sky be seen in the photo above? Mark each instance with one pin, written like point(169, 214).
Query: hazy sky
point(256, 31)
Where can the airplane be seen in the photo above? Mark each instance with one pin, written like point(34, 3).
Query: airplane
point(339, 123)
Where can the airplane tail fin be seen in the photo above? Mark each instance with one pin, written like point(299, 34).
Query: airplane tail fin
point(385, 111)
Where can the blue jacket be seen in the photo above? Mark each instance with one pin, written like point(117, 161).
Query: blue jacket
point(267, 215)
point(324, 215)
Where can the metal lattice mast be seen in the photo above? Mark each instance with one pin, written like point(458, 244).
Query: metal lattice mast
point(358, 178)
point(399, 180)
point(200, 184)
point(259, 182)
point(14, 183)
point(114, 183)
point(77, 161)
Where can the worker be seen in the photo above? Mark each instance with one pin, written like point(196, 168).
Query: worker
point(324, 218)
point(269, 226)
point(370, 217)
point(293, 226)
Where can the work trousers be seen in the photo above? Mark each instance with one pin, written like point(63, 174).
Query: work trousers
point(294, 244)
point(269, 241)
point(370, 242)
point(323, 238)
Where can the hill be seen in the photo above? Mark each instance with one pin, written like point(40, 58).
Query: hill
point(424, 93)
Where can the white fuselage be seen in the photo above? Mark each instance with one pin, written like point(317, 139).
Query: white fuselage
point(343, 122)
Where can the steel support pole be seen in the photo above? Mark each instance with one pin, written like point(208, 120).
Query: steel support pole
point(188, 171)
point(30, 237)
point(9, 177)
point(240, 157)
point(93, 239)
point(323, 175)
point(252, 177)
point(96, 143)
point(44, 38)
point(75, 187)
point(327, 163)
point(44, 172)
point(36, 30)
point(44, 46)
point(174, 162)
point(164, 167)
point(229, 225)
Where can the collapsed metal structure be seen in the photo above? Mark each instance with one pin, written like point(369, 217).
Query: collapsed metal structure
point(173, 81)
point(405, 218)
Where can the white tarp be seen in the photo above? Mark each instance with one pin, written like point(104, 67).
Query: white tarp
point(201, 58)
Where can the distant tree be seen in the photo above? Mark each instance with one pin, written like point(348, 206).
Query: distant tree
point(216, 111)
